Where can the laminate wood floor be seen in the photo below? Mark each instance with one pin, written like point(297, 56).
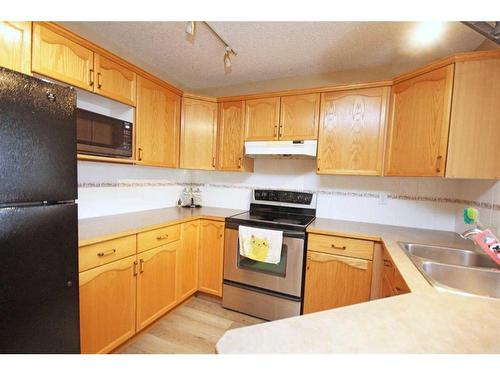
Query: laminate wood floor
point(191, 328)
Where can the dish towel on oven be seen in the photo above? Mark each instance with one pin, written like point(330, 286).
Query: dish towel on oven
point(263, 245)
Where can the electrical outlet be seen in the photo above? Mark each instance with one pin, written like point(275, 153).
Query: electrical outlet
point(382, 199)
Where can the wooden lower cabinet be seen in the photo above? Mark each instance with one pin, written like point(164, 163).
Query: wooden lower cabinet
point(392, 282)
point(187, 261)
point(107, 305)
point(334, 281)
point(211, 252)
point(156, 283)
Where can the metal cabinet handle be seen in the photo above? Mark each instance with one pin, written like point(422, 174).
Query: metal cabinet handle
point(141, 267)
point(275, 130)
point(162, 237)
point(135, 268)
point(337, 247)
point(106, 253)
point(91, 77)
point(387, 263)
point(239, 162)
point(99, 81)
point(213, 161)
point(140, 153)
point(281, 131)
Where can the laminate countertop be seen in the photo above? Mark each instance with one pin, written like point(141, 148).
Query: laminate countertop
point(424, 321)
point(104, 228)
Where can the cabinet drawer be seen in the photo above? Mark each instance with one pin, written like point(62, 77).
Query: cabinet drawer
point(104, 252)
point(154, 238)
point(341, 246)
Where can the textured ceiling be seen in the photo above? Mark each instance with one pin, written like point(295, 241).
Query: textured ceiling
point(269, 50)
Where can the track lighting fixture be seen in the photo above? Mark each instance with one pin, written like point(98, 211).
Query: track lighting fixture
point(228, 50)
point(190, 27)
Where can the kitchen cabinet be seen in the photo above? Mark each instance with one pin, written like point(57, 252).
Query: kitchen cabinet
point(392, 282)
point(156, 292)
point(187, 261)
point(293, 117)
point(105, 252)
point(352, 131)
point(335, 281)
point(157, 125)
point(113, 80)
point(262, 118)
point(198, 134)
point(107, 305)
point(231, 130)
point(299, 117)
point(419, 123)
point(58, 57)
point(15, 46)
point(211, 252)
point(475, 118)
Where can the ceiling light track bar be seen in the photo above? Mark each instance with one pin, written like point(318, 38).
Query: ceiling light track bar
point(485, 29)
point(226, 44)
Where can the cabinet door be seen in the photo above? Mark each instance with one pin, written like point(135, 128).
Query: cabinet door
point(156, 283)
point(158, 117)
point(15, 46)
point(299, 117)
point(352, 130)
point(334, 281)
point(211, 250)
point(475, 121)
point(231, 138)
point(419, 123)
point(198, 134)
point(107, 305)
point(114, 81)
point(187, 261)
point(62, 59)
point(262, 117)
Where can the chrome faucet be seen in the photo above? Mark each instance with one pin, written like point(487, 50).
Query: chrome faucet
point(470, 232)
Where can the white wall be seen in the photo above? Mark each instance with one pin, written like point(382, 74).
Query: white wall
point(433, 203)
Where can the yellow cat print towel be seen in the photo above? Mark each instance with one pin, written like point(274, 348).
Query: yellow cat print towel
point(263, 245)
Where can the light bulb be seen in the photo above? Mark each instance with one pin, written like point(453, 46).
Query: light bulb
point(190, 27)
point(427, 32)
point(227, 60)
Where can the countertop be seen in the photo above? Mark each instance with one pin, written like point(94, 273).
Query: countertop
point(423, 321)
point(103, 228)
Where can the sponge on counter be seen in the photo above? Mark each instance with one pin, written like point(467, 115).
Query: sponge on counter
point(470, 215)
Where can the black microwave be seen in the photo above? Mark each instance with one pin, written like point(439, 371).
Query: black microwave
point(102, 135)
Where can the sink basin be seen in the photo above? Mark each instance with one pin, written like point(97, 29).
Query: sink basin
point(477, 281)
point(449, 255)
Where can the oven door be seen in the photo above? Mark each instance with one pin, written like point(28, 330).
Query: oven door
point(284, 277)
point(102, 135)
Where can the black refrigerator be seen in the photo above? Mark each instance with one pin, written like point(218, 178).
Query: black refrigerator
point(39, 310)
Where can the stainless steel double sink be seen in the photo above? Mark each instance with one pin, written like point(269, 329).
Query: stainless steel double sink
point(456, 270)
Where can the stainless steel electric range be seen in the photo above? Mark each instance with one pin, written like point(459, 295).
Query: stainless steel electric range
point(269, 291)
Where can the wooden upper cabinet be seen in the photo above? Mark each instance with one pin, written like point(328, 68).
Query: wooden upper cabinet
point(299, 117)
point(475, 121)
point(158, 125)
point(352, 131)
point(419, 124)
point(187, 261)
point(114, 81)
point(211, 254)
point(335, 281)
point(262, 118)
point(198, 134)
point(62, 59)
point(107, 305)
point(231, 130)
point(15, 46)
point(156, 292)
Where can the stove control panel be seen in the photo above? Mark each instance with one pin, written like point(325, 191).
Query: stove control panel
point(283, 196)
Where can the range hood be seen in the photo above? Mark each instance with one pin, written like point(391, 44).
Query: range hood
point(281, 149)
